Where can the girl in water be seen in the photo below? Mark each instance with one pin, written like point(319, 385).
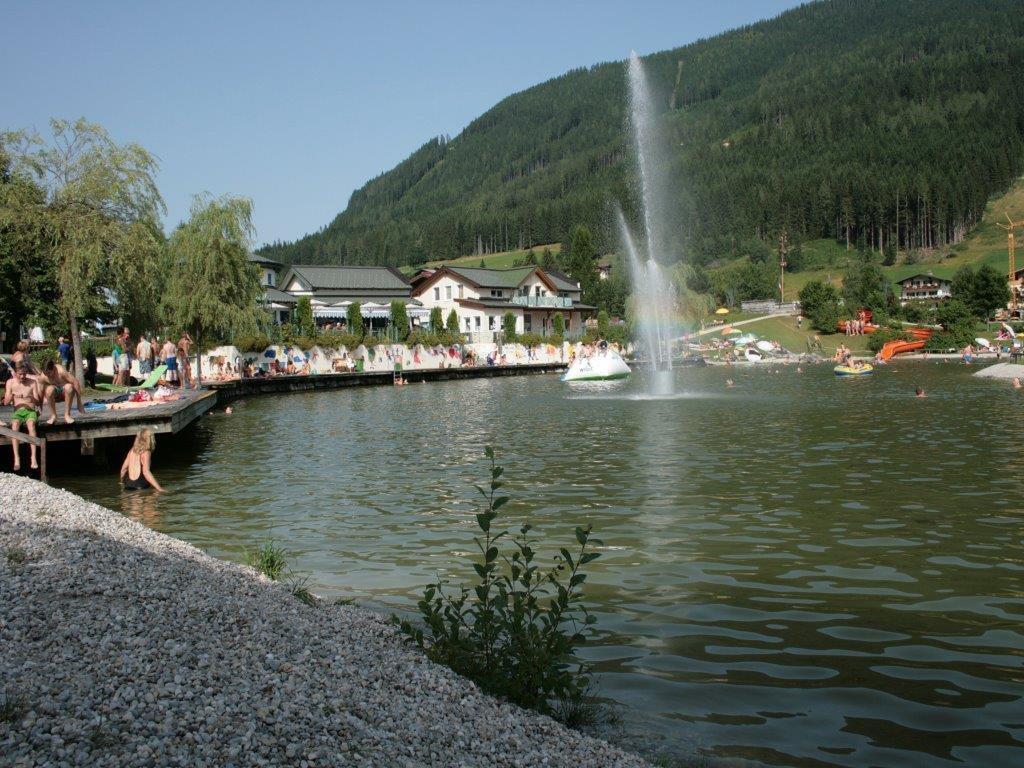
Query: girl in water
point(135, 471)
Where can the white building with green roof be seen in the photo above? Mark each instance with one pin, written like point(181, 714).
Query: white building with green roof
point(481, 298)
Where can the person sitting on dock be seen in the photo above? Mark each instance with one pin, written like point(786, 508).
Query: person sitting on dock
point(23, 393)
point(56, 377)
point(135, 470)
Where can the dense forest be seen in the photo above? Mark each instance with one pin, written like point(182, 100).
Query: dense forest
point(880, 123)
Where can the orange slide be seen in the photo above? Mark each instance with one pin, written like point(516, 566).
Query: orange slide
point(890, 348)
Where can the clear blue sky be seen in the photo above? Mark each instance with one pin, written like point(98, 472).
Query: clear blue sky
point(297, 104)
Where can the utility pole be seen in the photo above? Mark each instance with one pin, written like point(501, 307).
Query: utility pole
point(783, 250)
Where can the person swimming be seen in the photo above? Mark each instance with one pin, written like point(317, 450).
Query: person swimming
point(135, 471)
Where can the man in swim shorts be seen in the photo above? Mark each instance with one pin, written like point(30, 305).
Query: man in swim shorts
point(23, 393)
point(60, 380)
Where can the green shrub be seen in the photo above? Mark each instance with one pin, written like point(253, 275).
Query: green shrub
point(304, 316)
point(354, 315)
point(558, 325)
point(452, 326)
point(508, 324)
point(252, 343)
point(40, 357)
point(516, 632)
point(436, 321)
point(399, 319)
point(531, 339)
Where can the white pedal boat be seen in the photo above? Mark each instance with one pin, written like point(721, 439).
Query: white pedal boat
point(602, 366)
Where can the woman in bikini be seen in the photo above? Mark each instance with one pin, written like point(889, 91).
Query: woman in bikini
point(135, 471)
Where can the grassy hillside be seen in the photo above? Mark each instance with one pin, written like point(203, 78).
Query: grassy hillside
point(500, 260)
point(871, 120)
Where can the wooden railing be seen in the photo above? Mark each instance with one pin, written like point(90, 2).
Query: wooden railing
point(39, 442)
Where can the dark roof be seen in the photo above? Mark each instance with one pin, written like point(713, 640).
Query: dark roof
point(350, 278)
point(257, 259)
point(927, 276)
point(272, 294)
point(493, 278)
point(561, 280)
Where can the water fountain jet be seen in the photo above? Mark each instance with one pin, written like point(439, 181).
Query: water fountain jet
point(654, 300)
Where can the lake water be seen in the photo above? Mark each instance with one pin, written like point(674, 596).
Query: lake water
point(798, 570)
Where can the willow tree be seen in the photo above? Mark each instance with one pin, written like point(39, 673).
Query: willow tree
point(100, 211)
point(212, 287)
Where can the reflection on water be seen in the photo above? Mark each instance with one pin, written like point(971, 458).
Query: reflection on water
point(798, 571)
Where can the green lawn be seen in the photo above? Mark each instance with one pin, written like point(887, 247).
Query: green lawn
point(784, 331)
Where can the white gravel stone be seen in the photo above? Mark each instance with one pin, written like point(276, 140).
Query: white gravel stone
point(120, 646)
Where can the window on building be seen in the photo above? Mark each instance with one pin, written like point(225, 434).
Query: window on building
point(477, 323)
point(448, 292)
point(527, 323)
point(437, 294)
point(490, 322)
point(537, 291)
point(460, 291)
point(497, 293)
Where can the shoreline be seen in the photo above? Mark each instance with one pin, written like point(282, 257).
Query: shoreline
point(124, 646)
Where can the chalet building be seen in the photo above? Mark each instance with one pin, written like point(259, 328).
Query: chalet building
point(278, 303)
point(482, 297)
point(270, 270)
point(332, 289)
point(924, 287)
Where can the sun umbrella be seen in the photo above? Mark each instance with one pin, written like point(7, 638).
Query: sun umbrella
point(727, 330)
point(721, 311)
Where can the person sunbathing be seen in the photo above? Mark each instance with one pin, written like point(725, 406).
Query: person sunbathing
point(23, 392)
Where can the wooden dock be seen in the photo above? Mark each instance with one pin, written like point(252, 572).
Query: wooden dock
point(230, 390)
point(162, 418)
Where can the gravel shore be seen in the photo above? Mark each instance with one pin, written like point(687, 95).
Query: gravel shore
point(125, 647)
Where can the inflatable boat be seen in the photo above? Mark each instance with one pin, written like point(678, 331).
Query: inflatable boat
point(855, 369)
point(605, 365)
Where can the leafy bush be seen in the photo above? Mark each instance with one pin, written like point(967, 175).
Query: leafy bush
point(957, 326)
point(819, 302)
point(516, 632)
point(531, 339)
point(252, 343)
point(432, 339)
point(918, 311)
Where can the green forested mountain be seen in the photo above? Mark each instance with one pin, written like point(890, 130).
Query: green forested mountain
point(883, 122)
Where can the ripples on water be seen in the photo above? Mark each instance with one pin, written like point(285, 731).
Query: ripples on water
point(799, 570)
